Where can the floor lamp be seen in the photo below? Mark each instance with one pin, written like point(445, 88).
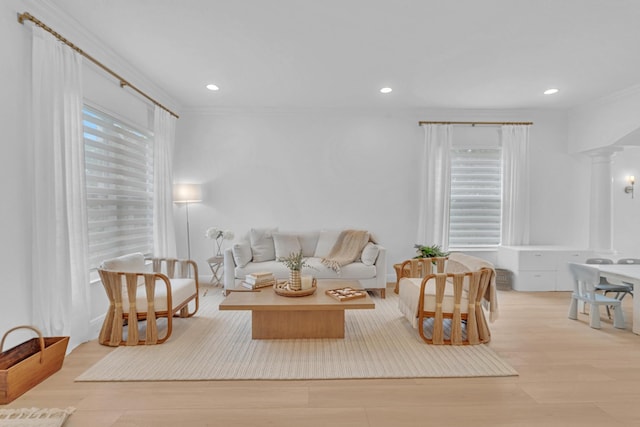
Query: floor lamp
point(187, 193)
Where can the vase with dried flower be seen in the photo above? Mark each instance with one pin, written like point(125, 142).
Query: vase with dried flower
point(295, 262)
point(218, 236)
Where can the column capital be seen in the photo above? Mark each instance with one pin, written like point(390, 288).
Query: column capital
point(603, 154)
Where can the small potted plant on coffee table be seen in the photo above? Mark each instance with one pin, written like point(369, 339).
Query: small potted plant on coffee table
point(295, 262)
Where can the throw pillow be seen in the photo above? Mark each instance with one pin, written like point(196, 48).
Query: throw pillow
point(308, 241)
point(326, 240)
point(285, 244)
point(370, 254)
point(241, 254)
point(262, 244)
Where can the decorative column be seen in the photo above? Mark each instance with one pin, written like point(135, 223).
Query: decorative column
point(600, 225)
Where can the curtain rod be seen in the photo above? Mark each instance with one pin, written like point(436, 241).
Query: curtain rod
point(476, 123)
point(27, 16)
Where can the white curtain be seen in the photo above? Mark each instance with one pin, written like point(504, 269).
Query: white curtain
point(60, 273)
point(515, 184)
point(435, 186)
point(164, 128)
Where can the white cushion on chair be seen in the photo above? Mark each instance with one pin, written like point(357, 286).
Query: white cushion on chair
point(132, 263)
point(181, 290)
point(448, 299)
point(409, 290)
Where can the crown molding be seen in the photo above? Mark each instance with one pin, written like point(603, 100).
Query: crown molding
point(74, 31)
point(607, 99)
point(445, 114)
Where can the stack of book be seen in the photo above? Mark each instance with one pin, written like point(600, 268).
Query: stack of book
point(259, 280)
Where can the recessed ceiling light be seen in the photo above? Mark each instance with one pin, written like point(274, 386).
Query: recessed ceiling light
point(212, 87)
point(386, 90)
point(550, 91)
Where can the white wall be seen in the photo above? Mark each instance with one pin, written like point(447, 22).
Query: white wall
point(15, 227)
point(331, 169)
point(626, 211)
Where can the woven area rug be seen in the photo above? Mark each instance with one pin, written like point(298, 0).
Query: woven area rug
point(217, 345)
point(34, 417)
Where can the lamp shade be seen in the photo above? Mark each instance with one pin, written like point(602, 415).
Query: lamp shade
point(187, 193)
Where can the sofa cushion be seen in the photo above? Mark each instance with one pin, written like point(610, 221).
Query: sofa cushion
point(285, 244)
point(241, 253)
point(356, 270)
point(262, 246)
point(326, 241)
point(308, 242)
point(279, 270)
point(369, 254)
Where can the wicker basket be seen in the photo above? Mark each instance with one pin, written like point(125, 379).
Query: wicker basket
point(283, 289)
point(28, 364)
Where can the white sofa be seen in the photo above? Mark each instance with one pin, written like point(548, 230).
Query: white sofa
point(261, 248)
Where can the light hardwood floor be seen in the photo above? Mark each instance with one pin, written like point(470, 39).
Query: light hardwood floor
point(570, 375)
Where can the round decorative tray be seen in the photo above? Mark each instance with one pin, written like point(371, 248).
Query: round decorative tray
point(282, 288)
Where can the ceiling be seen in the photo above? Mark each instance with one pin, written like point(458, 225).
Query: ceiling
point(490, 54)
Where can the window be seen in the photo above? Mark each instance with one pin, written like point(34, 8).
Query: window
point(119, 179)
point(476, 197)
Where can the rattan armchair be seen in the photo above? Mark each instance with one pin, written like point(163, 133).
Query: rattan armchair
point(136, 294)
point(450, 308)
point(418, 267)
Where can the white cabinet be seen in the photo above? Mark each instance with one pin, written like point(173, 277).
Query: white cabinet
point(540, 268)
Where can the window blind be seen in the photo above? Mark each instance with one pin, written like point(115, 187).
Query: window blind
point(476, 197)
point(119, 179)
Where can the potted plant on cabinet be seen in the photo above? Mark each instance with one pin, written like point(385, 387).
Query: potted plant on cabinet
point(433, 251)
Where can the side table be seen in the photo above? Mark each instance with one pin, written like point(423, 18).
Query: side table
point(216, 263)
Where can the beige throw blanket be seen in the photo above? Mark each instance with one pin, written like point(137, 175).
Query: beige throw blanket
point(347, 249)
point(459, 262)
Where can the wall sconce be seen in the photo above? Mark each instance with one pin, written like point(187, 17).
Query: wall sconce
point(631, 180)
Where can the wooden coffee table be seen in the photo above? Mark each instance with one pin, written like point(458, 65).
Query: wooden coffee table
point(314, 316)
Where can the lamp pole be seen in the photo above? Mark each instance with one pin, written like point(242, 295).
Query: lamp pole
point(187, 193)
point(188, 233)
